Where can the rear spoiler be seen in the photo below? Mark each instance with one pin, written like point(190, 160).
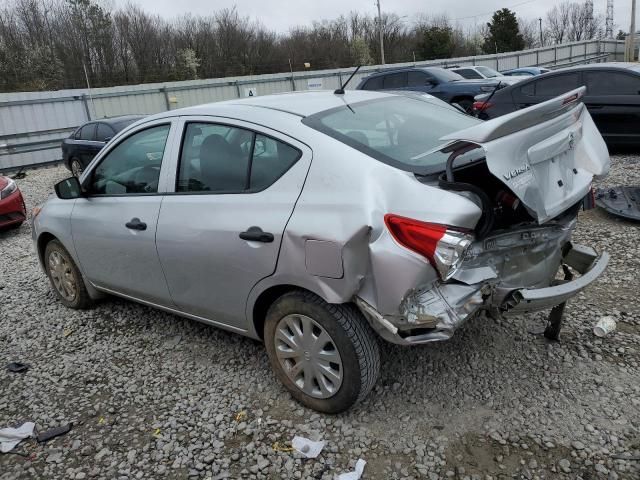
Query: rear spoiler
point(515, 121)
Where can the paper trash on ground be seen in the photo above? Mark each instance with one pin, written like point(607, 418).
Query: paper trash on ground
point(10, 437)
point(308, 448)
point(353, 475)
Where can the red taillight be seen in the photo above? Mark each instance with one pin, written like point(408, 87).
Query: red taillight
point(482, 106)
point(417, 236)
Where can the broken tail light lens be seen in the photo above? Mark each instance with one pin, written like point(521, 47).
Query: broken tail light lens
point(442, 246)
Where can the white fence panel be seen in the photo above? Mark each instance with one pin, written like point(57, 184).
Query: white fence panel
point(37, 121)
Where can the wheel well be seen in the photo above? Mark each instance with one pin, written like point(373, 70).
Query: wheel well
point(43, 240)
point(265, 300)
point(461, 97)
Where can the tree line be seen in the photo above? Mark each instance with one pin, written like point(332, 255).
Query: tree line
point(55, 44)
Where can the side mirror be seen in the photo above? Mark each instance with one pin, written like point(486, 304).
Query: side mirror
point(431, 82)
point(68, 189)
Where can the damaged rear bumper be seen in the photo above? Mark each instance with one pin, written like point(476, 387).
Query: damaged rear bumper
point(434, 313)
point(582, 259)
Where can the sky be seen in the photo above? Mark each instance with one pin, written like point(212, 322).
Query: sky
point(281, 15)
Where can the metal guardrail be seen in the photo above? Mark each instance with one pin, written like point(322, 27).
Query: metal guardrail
point(49, 115)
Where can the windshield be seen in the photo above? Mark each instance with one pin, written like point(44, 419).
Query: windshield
point(396, 130)
point(488, 72)
point(445, 75)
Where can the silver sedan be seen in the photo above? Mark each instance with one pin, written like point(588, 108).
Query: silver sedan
point(319, 222)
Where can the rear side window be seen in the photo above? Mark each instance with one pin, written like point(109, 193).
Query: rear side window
point(395, 80)
point(611, 83)
point(87, 132)
point(104, 132)
point(374, 83)
point(219, 158)
point(556, 85)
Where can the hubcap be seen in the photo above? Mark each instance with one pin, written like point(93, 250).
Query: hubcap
point(76, 168)
point(308, 355)
point(62, 276)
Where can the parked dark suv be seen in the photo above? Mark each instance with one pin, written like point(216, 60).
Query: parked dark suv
point(612, 97)
point(436, 81)
point(83, 144)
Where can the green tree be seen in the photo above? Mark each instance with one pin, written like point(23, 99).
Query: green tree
point(503, 33)
point(360, 50)
point(437, 42)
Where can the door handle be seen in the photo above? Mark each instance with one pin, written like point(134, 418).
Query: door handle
point(136, 224)
point(255, 234)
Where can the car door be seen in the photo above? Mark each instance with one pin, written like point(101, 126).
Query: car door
point(84, 140)
point(219, 233)
point(613, 100)
point(104, 133)
point(545, 88)
point(114, 224)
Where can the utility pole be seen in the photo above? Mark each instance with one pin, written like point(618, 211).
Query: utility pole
point(632, 33)
point(541, 41)
point(381, 33)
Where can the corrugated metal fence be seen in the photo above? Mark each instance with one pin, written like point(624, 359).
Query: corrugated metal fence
point(33, 123)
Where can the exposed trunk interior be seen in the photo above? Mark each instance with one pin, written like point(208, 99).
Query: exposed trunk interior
point(501, 208)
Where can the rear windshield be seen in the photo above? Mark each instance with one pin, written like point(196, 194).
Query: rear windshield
point(397, 130)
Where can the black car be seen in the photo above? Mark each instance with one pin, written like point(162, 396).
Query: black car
point(612, 97)
point(436, 81)
point(83, 144)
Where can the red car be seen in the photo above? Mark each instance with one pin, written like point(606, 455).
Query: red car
point(12, 208)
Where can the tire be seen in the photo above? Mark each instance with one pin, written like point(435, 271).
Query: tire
point(76, 167)
point(65, 278)
point(466, 104)
point(348, 334)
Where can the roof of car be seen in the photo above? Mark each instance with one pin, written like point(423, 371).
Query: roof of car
point(121, 118)
point(603, 66)
point(405, 69)
point(301, 104)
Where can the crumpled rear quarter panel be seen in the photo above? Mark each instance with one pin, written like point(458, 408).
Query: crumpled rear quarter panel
point(344, 200)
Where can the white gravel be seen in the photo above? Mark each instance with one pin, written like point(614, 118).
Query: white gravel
point(152, 395)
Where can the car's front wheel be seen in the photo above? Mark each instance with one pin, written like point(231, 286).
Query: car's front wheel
point(65, 276)
point(326, 355)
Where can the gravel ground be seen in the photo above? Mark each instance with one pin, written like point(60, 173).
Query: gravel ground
point(152, 395)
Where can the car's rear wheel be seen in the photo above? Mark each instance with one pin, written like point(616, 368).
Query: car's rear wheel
point(76, 167)
point(325, 355)
point(65, 277)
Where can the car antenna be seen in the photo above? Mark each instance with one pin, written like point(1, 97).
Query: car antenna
point(494, 91)
point(340, 91)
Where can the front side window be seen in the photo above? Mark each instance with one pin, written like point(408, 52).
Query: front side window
point(87, 132)
point(219, 158)
point(398, 130)
point(417, 79)
point(556, 85)
point(133, 166)
point(104, 132)
point(611, 83)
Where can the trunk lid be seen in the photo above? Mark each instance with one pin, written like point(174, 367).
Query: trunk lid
point(546, 154)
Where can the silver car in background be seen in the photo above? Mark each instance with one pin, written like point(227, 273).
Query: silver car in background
point(320, 221)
